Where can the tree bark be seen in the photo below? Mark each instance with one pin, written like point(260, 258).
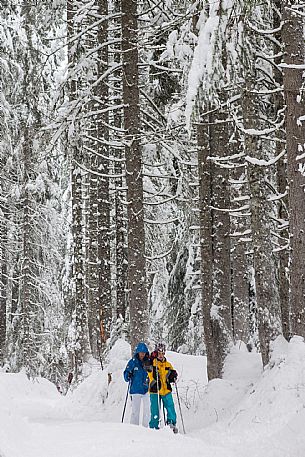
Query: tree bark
point(293, 47)
point(120, 194)
point(282, 185)
point(3, 275)
point(99, 280)
point(206, 245)
point(215, 243)
point(136, 234)
point(267, 296)
point(105, 303)
point(221, 315)
point(77, 214)
point(240, 223)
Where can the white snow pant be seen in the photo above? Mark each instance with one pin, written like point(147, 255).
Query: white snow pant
point(136, 400)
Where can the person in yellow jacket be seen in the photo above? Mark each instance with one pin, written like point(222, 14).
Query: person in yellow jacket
point(161, 375)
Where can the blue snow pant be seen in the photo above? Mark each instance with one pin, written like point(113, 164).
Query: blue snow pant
point(169, 406)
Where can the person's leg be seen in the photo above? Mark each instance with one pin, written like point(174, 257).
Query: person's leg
point(146, 410)
point(154, 411)
point(135, 408)
point(168, 402)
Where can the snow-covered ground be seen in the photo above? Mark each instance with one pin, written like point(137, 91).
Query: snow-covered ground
point(249, 413)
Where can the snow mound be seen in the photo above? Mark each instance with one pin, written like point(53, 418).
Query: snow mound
point(250, 412)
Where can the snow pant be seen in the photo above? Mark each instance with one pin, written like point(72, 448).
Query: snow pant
point(169, 406)
point(136, 400)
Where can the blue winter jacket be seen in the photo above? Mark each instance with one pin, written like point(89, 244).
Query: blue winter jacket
point(135, 369)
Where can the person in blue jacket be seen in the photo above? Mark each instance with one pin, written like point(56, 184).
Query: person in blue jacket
point(136, 374)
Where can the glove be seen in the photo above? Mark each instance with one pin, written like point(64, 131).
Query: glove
point(130, 375)
point(147, 366)
point(172, 376)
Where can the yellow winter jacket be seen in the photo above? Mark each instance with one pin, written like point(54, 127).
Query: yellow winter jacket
point(160, 377)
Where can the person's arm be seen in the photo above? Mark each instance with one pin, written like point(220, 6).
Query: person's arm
point(128, 372)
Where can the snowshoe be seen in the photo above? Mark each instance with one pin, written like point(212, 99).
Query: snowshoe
point(174, 428)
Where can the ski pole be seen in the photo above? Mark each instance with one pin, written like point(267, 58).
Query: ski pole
point(165, 421)
point(127, 393)
point(180, 407)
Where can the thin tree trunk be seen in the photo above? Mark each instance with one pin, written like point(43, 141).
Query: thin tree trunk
point(77, 216)
point(105, 304)
point(120, 195)
point(3, 279)
point(121, 247)
point(293, 47)
point(25, 301)
point(239, 262)
point(206, 245)
point(134, 178)
point(26, 293)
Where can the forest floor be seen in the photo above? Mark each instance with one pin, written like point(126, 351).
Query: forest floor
point(249, 413)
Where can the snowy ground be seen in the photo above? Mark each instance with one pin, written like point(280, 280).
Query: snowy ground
point(249, 413)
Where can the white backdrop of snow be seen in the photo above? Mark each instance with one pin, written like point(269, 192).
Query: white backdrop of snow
point(249, 413)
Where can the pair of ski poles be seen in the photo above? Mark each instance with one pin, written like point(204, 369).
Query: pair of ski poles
point(178, 398)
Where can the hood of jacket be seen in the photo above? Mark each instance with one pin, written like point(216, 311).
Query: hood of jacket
point(141, 347)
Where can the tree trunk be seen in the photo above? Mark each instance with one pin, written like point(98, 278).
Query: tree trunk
point(27, 293)
point(120, 208)
point(3, 278)
point(25, 298)
point(215, 244)
point(105, 305)
point(98, 274)
point(134, 178)
point(206, 245)
point(221, 315)
point(282, 184)
point(267, 296)
point(77, 215)
point(240, 223)
point(293, 47)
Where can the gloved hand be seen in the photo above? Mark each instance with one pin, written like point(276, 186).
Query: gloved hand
point(130, 375)
point(172, 376)
point(147, 366)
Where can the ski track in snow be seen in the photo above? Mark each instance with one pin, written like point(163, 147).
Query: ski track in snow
point(246, 414)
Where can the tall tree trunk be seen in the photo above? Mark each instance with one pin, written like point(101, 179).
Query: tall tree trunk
point(120, 195)
point(121, 246)
point(267, 296)
point(105, 305)
point(221, 315)
point(282, 184)
point(27, 293)
point(240, 264)
point(206, 245)
point(98, 274)
point(134, 176)
point(25, 297)
point(3, 276)
point(77, 215)
point(215, 244)
point(293, 47)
